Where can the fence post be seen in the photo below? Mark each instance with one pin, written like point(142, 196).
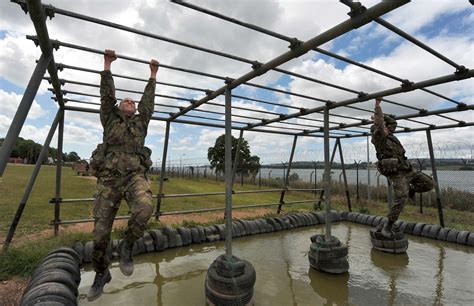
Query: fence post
point(287, 176)
point(59, 156)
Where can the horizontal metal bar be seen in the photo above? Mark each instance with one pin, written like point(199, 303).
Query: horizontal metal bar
point(293, 41)
point(388, 92)
point(355, 22)
point(434, 127)
point(183, 212)
point(410, 38)
point(96, 111)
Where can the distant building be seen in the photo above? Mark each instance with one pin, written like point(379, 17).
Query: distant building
point(16, 160)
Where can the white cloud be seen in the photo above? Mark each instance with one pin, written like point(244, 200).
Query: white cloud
point(9, 102)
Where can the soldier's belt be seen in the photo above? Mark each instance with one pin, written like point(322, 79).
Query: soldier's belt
point(126, 149)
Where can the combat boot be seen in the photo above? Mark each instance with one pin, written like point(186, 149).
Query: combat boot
point(98, 286)
point(126, 257)
point(387, 229)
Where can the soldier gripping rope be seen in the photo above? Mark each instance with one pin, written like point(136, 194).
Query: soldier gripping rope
point(120, 164)
point(393, 163)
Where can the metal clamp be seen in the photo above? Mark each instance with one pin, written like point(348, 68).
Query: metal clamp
point(295, 43)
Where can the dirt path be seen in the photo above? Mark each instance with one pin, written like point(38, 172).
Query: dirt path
point(12, 290)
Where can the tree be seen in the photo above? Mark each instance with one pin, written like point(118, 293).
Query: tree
point(246, 164)
point(72, 157)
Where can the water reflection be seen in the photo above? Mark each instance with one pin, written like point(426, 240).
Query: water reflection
point(432, 272)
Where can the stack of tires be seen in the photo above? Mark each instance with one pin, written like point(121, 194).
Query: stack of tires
point(56, 279)
point(396, 244)
point(230, 281)
point(328, 256)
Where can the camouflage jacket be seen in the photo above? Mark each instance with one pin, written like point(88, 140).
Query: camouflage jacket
point(124, 137)
point(386, 145)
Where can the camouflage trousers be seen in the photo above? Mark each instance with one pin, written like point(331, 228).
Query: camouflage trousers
point(401, 184)
point(135, 189)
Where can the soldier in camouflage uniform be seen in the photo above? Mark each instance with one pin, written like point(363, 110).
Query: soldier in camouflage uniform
point(392, 163)
point(120, 164)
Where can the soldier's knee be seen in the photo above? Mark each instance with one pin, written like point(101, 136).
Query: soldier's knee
point(146, 212)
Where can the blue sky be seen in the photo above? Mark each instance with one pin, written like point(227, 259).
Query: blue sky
point(445, 25)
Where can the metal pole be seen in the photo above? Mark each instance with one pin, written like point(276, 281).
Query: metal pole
point(22, 111)
point(237, 156)
point(163, 170)
point(287, 176)
point(58, 173)
point(341, 157)
point(327, 175)
point(368, 171)
point(435, 177)
point(31, 182)
point(228, 172)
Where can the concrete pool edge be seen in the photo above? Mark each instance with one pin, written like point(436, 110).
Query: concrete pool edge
point(60, 281)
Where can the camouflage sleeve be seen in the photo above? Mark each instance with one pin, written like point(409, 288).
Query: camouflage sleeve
point(147, 102)
point(378, 136)
point(107, 96)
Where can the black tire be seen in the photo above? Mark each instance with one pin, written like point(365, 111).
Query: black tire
point(360, 218)
point(171, 234)
point(195, 237)
point(185, 234)
point(227, 300)
point(235, 285)
point(139, 247)
point(375, 234)
point(335, 215)
point(321, 217)
point(426, 230)
point(312, 218)
point(148, 242)
point(294, 220)
point(470, 240)
point(409, 228)
point(50, 300)
point(307, 220)
point(53, 276)
point(376, 220)
point(88, 247)
point(210, 231)
point(160, 240)
point(395, 244)
point(275, 225)
point(244, 226)
point(344, 215)
point(79, 248)
point(418, 229)
point(44, 289)
point(262, 226)
point(281, 222)
point(59, 257)
point(434, 230)
point(369, 220)
point(351, 216)
point(328, 253)
point(68, 267)
point(403, 225)
point(462, 237)
point(252, 227)
point(179, 241)
point(202, 233)
point(235, 230)
point(239, 228)
point(443, 234)
point(66, 250)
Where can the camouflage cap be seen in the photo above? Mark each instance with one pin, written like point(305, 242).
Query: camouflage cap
point(390, 123)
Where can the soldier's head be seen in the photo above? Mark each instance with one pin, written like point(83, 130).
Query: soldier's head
point(390, 124)
point(127, 106)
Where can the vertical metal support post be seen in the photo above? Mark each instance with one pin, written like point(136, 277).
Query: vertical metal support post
point(341, 157)
point(228, 172)
point(435, 177)
point(57, 202)
point(287, 175)
point(31, 182)
point(237, 156)
point(368, 172)
point(327, 175)
point(163, 170)
point(22, 111)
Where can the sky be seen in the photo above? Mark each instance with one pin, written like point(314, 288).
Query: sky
point(445, 25)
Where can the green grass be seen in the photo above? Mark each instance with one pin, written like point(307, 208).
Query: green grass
point(21, 259)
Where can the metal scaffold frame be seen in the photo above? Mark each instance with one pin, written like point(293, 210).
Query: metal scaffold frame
point(262, 121)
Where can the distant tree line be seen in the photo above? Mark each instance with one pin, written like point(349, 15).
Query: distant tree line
point(30, 150)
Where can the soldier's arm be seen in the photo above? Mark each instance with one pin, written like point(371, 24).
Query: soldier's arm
point(147, 102)
point(107, 87)
point(379, 133)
